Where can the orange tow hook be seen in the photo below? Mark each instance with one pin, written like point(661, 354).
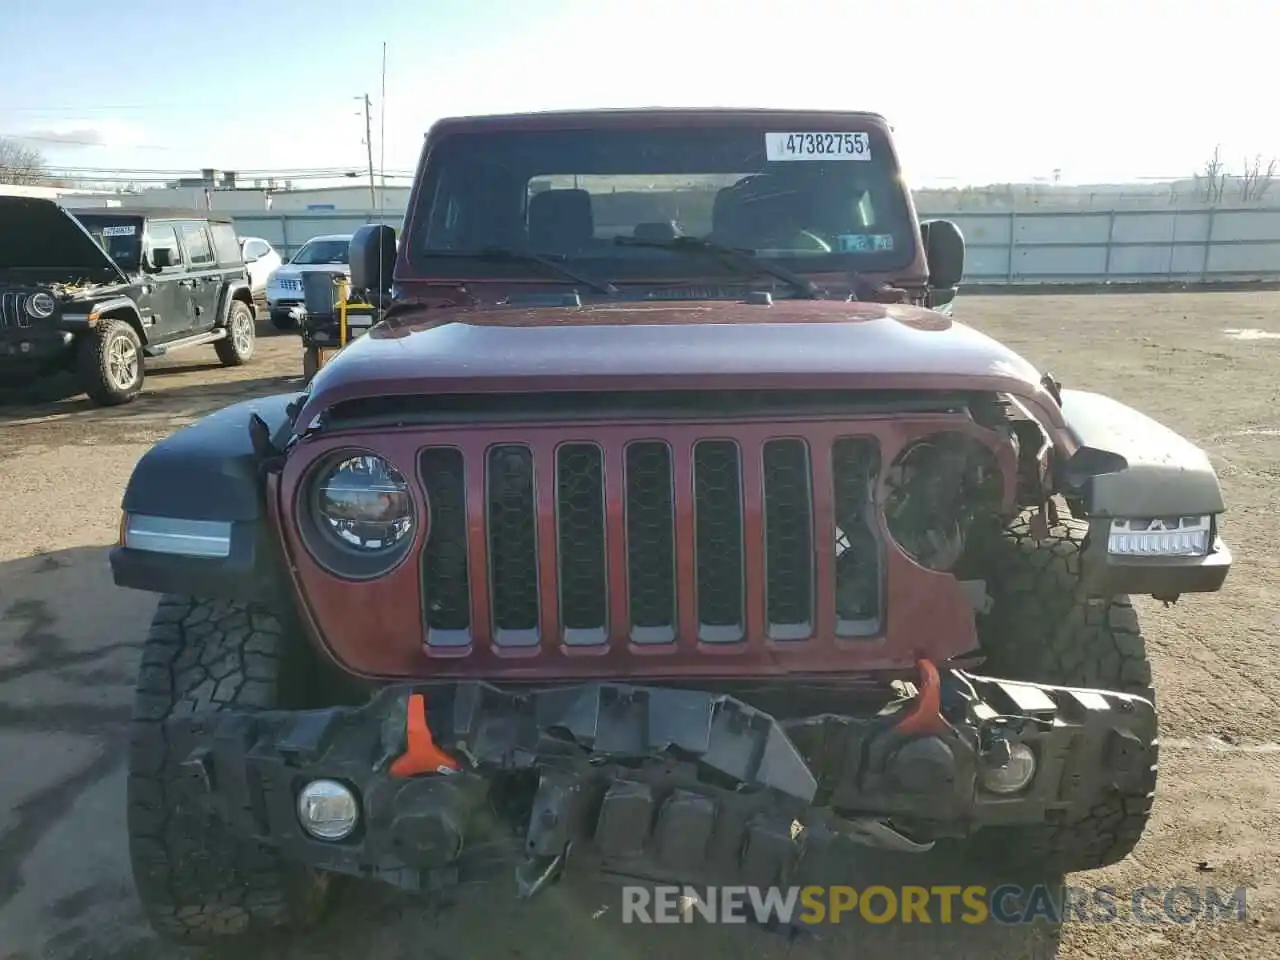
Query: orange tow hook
point(421, 754)
point(924, 716)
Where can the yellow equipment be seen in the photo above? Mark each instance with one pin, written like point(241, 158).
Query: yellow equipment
point(332, 319)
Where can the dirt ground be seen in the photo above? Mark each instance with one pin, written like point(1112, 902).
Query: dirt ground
point(69, 641)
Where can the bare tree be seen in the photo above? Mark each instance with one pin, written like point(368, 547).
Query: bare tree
point(1256, 179)
point(1213, 181)
point(20, 163)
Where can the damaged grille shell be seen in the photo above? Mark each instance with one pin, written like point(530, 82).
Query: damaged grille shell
point(394, 627)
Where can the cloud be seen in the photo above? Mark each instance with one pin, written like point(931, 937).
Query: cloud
point(79, 134)
point(78, 137)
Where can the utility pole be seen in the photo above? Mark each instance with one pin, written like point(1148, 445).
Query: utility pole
point(368, 142)
point(382, 131)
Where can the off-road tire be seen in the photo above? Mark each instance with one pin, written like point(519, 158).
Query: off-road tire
point(1045, 627)
point(232, 352)
point(94, 350)
point(198, 883)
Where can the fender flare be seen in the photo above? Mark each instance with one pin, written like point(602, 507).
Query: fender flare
point(238, 289)
point(116, 307)
point(1165, 474)
point(196, 519)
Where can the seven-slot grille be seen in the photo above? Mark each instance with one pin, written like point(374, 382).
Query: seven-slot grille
point(726, 509)
point(13, 311)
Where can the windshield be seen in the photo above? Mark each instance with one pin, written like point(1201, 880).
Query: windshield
point(323, 251)
point(120, 237)
point(815, 201)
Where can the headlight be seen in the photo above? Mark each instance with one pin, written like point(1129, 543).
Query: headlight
point(938, 487)
point(1160, 536)
point(41, 305)
point(360, 515)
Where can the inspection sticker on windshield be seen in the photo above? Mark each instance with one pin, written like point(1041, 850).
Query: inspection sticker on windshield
point(817, 146)
point(127, 230)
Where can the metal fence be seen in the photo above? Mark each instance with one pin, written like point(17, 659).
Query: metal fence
point(1120, 246)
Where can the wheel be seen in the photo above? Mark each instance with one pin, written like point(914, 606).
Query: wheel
point(198, 883)
point(310, 364)
point(109, 363)
point(284, 321)
point(1045, 627)
point(237, 349)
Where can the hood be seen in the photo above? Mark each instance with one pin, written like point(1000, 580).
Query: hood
point(40, 236)
point(294, 270)
point(791, 344)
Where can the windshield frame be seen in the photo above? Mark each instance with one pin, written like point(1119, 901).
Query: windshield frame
point(452, 142)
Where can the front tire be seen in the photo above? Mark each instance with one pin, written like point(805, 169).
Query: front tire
point(238, 347)
point(109, 363)
point(284, 322)
point(198, 882)
point(1045, 627)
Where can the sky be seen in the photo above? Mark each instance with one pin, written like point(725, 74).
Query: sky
point(979, 91)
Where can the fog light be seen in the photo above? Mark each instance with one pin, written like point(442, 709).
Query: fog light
point(1160, 537)
point(1013, 774)
point(327, 810)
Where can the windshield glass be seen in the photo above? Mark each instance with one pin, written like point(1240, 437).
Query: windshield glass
point(323, 251)
point(813, 200)
point(120, 237)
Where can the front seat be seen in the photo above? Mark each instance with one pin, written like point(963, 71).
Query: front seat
point(560, 221)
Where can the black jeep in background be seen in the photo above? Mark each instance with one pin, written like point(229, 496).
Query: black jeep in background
point(95, 291)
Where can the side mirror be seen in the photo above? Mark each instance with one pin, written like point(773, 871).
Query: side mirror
point(944, 250)
point(162, 258)
point(373, 257)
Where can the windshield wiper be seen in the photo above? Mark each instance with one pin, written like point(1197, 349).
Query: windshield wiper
point(552, 261)
point(736, 258)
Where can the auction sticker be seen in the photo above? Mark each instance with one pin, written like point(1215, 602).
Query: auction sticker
point(817, 146)
point(127, 230)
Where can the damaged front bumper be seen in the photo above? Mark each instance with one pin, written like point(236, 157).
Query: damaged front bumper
point(464, 781)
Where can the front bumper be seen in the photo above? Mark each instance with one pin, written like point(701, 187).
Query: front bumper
point(653, 784)
point(34, 349)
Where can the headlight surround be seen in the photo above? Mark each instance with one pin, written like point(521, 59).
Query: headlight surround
point(1160, 536)
point(358, 518)
point(41, 305)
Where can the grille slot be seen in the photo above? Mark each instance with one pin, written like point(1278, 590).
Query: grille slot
point(513, 544)
point(12, 310)
point(580, 534)
point(651, 542)
point(855, 463)
point(446, 585)
point(717, 492)
point(788, 532)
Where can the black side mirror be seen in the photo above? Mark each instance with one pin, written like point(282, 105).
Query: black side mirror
point(373, 258)
point(944, 249)
point(162, 258)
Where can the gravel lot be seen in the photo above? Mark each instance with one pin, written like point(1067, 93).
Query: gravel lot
point(69, 641)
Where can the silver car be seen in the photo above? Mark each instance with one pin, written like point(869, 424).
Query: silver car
point(285, 299)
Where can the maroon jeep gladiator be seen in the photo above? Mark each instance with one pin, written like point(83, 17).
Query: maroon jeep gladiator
point(667, 528)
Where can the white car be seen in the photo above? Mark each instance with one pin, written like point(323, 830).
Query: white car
point(285, 298)
point(261, 260)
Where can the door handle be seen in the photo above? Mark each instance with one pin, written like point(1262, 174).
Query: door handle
point(186, 283)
